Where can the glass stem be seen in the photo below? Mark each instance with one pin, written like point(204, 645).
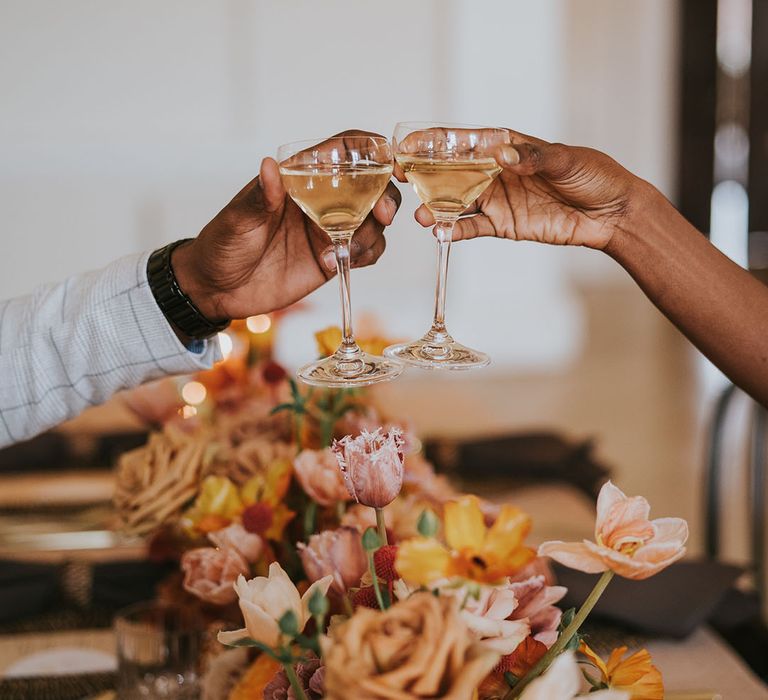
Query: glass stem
point(444, 234)
point(341, 249)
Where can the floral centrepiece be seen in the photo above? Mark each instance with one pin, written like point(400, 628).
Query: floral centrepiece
point(358, 571)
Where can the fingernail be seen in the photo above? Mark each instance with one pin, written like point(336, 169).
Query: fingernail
point(509, 155)
point(329, 260)
point(391, 207)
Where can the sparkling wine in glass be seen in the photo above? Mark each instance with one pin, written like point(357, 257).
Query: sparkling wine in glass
point(336, 183)
point(449, 166)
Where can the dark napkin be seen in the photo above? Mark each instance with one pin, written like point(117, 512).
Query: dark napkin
point(521, 459)
point(29, 588)
point(673, 603)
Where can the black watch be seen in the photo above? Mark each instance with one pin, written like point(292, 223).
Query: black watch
point(177, 307)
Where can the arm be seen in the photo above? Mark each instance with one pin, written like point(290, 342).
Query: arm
point(69, 346)
point(568, 195)
point(719, 306)
point(73, 345)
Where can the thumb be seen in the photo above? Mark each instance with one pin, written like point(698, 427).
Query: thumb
point(271, 184)
point(553, 161)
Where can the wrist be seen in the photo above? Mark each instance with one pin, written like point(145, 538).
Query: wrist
point(193, 283)
point(645, 208)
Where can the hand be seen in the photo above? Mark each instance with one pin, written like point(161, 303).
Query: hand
point(550, 193)
point(261, 252)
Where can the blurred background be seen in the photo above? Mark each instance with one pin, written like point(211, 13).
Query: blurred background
point(125, 125)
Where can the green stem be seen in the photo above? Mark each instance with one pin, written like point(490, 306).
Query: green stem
point(293, 679)
point(565, 636)
point(376, 587)
point(297, 421)
point(341, 508)
point(381, 525)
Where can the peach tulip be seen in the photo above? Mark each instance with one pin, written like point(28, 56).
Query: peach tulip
point(209, 573)
point(372, 464)
point(318, 473)
point(626, 541)
point(264, 600)
point(337, 553)
point(247, 544)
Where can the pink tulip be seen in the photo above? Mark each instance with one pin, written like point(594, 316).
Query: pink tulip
point(338, 553)
point(626, 542)
point(235, 536)
point(372, 464)
point(210, 573)
point(319, 476)
point(536, 603)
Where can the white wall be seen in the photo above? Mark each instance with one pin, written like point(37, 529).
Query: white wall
point(127, 124)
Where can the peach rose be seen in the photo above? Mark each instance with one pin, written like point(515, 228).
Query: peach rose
point(338, 553)
point(626, 541)
point(210, 573)
point(319, 475)
point(418, 648)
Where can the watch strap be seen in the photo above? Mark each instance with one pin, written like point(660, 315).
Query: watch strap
point(176, 306)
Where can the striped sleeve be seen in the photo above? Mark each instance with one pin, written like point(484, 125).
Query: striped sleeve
point(72, 345)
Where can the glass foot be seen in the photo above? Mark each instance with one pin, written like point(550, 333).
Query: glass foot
point(429, 354)
point(340, 372)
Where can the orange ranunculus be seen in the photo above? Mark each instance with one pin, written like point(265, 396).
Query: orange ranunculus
point(626, 541)
point(635, 674)
point(329, 339)
point(474, 551)
point(255, 679)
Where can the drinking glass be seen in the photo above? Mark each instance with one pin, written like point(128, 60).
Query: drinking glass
point(449, 166)
point(336, 182)
point(158, 652)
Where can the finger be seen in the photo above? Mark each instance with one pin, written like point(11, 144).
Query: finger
point(387, 205)
point(398, 173)
point(271, 184)
point(553, 161)
point(424, 216)
point(372, 254)
point(473, 227)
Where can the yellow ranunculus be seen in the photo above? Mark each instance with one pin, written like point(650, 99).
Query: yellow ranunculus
point(270, 486)
point(473, 550)
point(635, 674)
point(218, 496)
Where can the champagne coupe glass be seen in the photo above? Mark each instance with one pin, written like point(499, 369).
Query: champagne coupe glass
point(449, 166)
point(336, 183)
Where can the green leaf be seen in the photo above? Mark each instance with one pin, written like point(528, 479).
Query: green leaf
point(269, 651)
point(318, 604)
point(371, 540)
point(295, 390)
point(281, 407)
point(428, 523)
point(573, 643)
point(511, 679)
point(289, 624)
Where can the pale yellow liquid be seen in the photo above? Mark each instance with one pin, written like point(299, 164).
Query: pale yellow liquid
point(336, 197)
point(448, 185)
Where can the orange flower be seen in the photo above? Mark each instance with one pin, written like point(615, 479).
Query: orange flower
point(329, 339)
point(635, 674)
point(255, 679)
point(474, 551)
point(626, 542)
